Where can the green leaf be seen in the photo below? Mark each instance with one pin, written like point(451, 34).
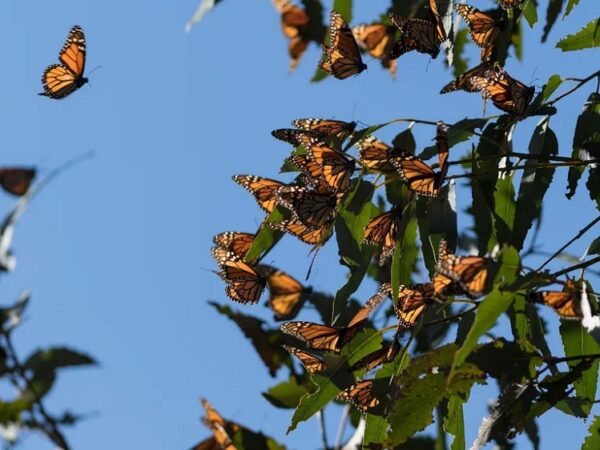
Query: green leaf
point(506, 361)
point(57, 358)
point(554, 9)
point(534, 182)
point(505, 206)
point(592, 441)
point(265, 239)
point(286, 394)
point(340, 376)
point(572, 4)
point(375, 431)
point(594, 247)
point(405, 140)
point(459, 132)
point(10, 412)
point(454, 422)
point(344, 7)
point(405, 253)
point(266, 342)
point(551, 85)
point(460, 64)
point(587, 128)
point(587, 37)
point(577, 341)
point(529, 9)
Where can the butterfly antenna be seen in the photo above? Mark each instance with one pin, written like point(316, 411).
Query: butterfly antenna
point(93, 70)
point(312, 262)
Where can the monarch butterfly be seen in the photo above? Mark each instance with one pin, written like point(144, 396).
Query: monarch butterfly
point(443, 286)
point(483, 28)
point(384, 355)
point(470, 273)
point(312, 173)
point(59, 80)
point(507, 4)
point(361, 395)
point(377, 39)
point(567, 303)
point(419, 176)
point(333, 167)
point(263, 189)
point(376, 155)
point(293, 20)
point(323, 337)
point(476, 79)
point(510, 95)
point(324, 128)
point(311, 208)
point(235, 241)
point(307, 234)
point(412, 301)
point(244, 283)
point(342, 58)
point(16, 180)
point(287, 294)
point(311, 363)
point(291, 136)
point(382, 231)
point(220, 428)
point(422, 35)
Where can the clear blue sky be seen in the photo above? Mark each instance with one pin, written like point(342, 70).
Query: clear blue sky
point(116, 251)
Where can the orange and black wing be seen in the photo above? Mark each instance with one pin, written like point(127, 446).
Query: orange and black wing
point(416, 34)
point(336, 167)
point(510, 95)
point(324, 128)
point(342, 57)
point(360, 395)
point(483, 28)
point(412, 302)
point(375, 155)
point(291, 136)
point(419, 177)
point(235, 241)
point(476, 79)
point(320, 337)
point(382, 231)
point(470, 273)
point(364, 312)
point(263, 189)
point(286, 295)
point(244, 283)
point(309, 235)
point(311, 363)
point(507, 4)
point(16, 180)
point(566, 303)
point(313, 209)
point(59, 80)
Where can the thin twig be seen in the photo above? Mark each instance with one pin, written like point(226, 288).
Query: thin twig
point(577, 236)
point(584, 264)
point(342, 427)
point(321, 422)
point(581, 82)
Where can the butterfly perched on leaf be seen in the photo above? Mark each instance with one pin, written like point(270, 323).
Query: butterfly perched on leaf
point(377, 39)
point(382, 231)
point(60, 80)
point(263, 189)
point(236, 242)
point(484, 29)
point(470, 273)
point(376, 156)
point(311, 363)
point(244, 283)
point(495, 84)
point(287, 295)
point(419, 176)
point(422, 35)
point(324, 128)
point(507, 4)
point(293, 21)
point(324, 337)
point(411, 302)
point(362, 395)
point(327, 166)
point(566, 303)
point(316, 236)
point(341, 58)
point(16, 180)
point(311, 208)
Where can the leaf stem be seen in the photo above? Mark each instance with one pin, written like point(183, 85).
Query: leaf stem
point(580, 83)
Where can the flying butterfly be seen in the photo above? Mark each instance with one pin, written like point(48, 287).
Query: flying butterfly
point(316, 236)
point(341, 58)
point(16, 180)
point(507, 4)
point(313, 209)
point(235, 241)
point(510, 95)
point(293, 21)
point(377, 39)
point(375, 155)
point(263, 189)
point(476, 79)
point(244, 283)
point(311, 363)
point(60, 80)
point(470, 273)
point(422, 35)
point(566, 303)
point(287, 295)
point(484, 29)
point(334, 168)
point(324, 128)
point(382, 231)
point(324, 337)
point(361, 395)
point(419, 176)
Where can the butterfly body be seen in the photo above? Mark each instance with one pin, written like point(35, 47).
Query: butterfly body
point(16, 180)
point(60, 80)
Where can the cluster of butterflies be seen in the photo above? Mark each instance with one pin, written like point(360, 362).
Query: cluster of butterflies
point(342, 55)
point(60, 80)
point(16, 180)
point(455, 276)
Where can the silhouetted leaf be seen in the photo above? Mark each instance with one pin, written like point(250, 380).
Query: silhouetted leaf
point(587, 37)
point(405, 140)
point(285, 394)
point(10, 316)
point(551, 85)
point(592, 440)
point(266, 238)
point(10, 412)
point(459, 63)
point(554, 9)
point(572, 4)
point(530, 12)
